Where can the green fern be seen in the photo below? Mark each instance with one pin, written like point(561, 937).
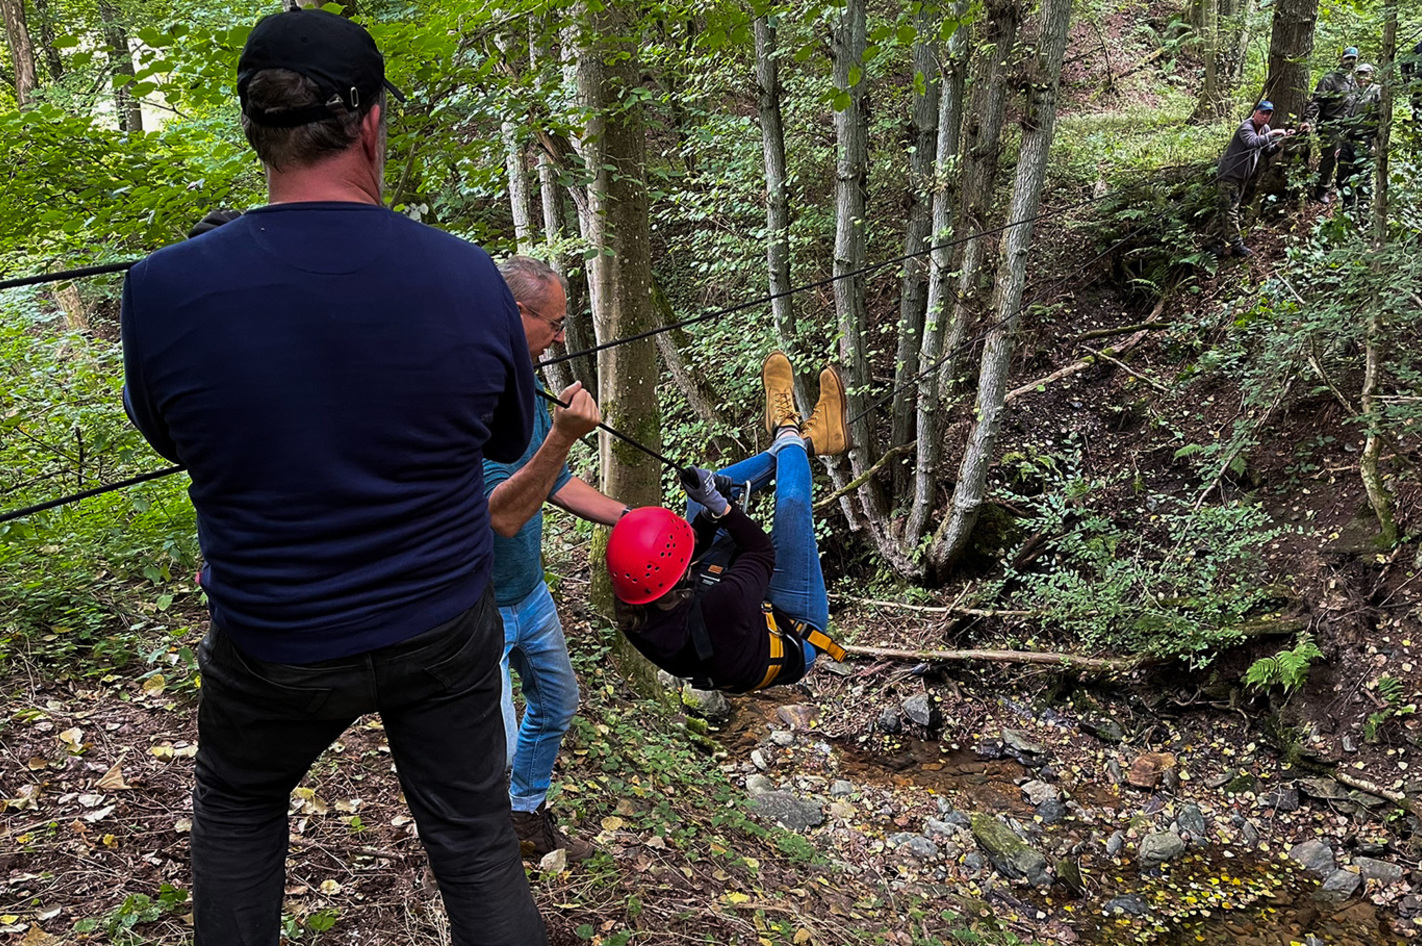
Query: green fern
point(1288, 668)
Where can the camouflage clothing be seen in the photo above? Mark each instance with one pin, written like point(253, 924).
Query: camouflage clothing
point(1224, 229)
point(1330, 106)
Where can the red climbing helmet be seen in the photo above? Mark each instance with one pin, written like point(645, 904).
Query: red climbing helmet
point(647, 553)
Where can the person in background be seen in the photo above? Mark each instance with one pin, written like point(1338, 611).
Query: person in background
point(1356, 156)
point(533, 636)
point(1251, 139)
point(1328, 109)
point(333, 375)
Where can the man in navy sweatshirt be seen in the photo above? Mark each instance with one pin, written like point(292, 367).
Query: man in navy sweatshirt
point(333, 376)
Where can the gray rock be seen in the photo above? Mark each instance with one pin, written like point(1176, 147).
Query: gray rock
point(1037, 791)
point(758, 758)
point(1410, 906)
point(933, 828)
point(758, 784)
point(889, 721)
point(914, 844)
point(1314, 855)
point(1129, 905)
point(1384, 872)
point(1013, 857)
point(710, 705)
point(1107, 730)
point(1249, 833)
point(788, 811)
point(782, 737)
point(1114, 773)
point(1340, 885)
point(1051, 811)
point(958, 818)
point(1114, 844)
point(973, 862)
point(841, 788)
point(922, 709)
point(1281, 799)
point(668, 681)
point(1160, 847)
point(1192, 823)
point(1020, 741)
point(944, 805)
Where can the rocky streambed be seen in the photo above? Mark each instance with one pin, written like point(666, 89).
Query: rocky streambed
point(1063, 831)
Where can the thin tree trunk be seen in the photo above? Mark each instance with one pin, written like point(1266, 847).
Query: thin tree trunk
point(1236, 19)
point(130, 113)
point(1290, 45)
point(700, 396)
point(621, 273)
point(520, 194)
point(929, 445)
point(53, 63)
point(1038, 126)
point(22, 50)
point(1375, 353)
point(913, 287)
point(1207, 104)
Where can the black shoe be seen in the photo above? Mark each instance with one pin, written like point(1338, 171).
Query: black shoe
point(538, 834)
point(1241, 250)
point(1218, 252)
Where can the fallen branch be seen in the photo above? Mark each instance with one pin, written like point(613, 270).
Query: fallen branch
point(1003, 656)
point(1372, 788)
point(864, 477)
point(1073, 368)
point(933, 609)
point(1122, 365)
point(1122, 330)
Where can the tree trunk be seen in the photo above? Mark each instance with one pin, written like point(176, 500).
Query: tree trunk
point(913, 288)
point(22, 51)
point(621, 273)
point(1235, 20)
point(1225, 44)
point(1290, 45)
point(1375, 354)
point(700, 396)
point(777, 195)
point(929, 445)
point(53, 63)
point(1208, 104)
point(520, 194)
point(126, 107)
point(1038, 125)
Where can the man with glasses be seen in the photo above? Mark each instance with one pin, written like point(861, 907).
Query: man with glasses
point(534, 645)
point(1237, 164)
point(1330, 107)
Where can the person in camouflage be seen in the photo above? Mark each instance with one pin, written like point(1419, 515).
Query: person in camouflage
point(1329, 109)
point(1356, 154)
point(1253, 138)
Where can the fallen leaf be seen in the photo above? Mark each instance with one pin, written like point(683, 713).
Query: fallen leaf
point(112, 780)
point(91, 801)
point(554, 862)
point(183, 825)
point(155, 685)
point(612, 823)
point(38, 937)
point(330, 887)
point(163, 752)
point(348, 805)
point(99, 814)
point(73, 738)
point(736, 896)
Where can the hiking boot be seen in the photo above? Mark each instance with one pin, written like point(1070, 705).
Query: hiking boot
point(826, 432)
point(538, 834)
point(1217, 251)
point(1240, 249)
point(779, 380)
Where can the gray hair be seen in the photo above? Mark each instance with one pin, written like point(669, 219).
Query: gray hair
point(528, 278)
point(303, 145)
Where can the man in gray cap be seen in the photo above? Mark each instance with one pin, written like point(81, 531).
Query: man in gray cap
point(1252, 138)
point(1329, 108)
point(333, 375)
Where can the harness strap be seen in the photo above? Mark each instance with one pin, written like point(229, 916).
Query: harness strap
point(777, 648)
point(819, 640)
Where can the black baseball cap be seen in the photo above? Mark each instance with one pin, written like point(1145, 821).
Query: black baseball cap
point(332, 51)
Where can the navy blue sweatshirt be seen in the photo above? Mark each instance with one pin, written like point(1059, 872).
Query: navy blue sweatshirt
point(332, 375)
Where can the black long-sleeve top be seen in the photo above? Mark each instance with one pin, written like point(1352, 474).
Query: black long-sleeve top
point(731, 608)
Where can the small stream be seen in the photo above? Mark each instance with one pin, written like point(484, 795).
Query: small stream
point(1207, 897)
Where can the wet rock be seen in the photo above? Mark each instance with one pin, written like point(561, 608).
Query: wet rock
point(792, 813)
point(1315, 856)
point(922, 710)
point(1037, 792)
point(1384, 872)
point(1192, 823)
point(1013, 857)
point(1281, 799)
point(1160, 847)
point(1114, 844)
point(841, 788)
point(933, 828)
point(1051, 811)
point(758, 785)
point(915, 845)
point(889, 721)
point(1340, 885)
point(1129, 905)
point(710, 705)
point(782, 738)
point(1148, 767)
point(1069, 876)
point(1107, 730)
point(1114, 773)
point(1019, 741)
point(1371, 848)
point(798, 716)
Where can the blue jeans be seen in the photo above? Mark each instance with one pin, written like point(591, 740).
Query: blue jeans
point(534, 646)
point(798, 585)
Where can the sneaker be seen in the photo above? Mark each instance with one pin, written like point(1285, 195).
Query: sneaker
point(826, 432)
point(779, 380)
point(1241, 250)
point(538, 834)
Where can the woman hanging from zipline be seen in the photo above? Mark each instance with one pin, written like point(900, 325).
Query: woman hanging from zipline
point(715, 599)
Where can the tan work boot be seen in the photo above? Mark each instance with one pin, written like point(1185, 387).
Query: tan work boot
point(538, 834)
point(779, 380)
point(826, 432)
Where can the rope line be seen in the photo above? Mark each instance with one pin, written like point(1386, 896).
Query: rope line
point(96, 491)
point(67, 274)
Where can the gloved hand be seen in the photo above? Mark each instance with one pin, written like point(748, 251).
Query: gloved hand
point(700, 485)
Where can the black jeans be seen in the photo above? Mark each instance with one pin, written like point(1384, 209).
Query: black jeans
point(261, 725)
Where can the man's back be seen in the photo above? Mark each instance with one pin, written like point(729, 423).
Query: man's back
point(331, 374)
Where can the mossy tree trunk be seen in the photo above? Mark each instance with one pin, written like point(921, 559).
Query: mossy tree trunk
point(1290, 45)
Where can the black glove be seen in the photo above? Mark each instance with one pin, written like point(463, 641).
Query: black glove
point(701, 485)
point(213, 220)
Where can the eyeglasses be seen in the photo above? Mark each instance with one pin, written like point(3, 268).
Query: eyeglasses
point(557, 325)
